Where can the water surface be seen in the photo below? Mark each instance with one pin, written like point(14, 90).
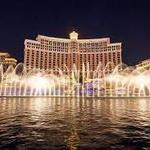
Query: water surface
point(74, 124)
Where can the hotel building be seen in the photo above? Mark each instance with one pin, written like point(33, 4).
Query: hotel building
point(52, 53)
point(7, 61)
point(145, 64)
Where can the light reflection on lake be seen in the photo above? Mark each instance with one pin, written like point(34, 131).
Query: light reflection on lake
point(72, 124)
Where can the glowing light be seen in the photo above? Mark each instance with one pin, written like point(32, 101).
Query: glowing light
point(141, 81)
point(73, 35)
point(38, 82)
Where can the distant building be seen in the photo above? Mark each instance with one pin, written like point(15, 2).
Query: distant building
point(53, 53)
point(7, 61)
point(3, 56)
point(145, 64)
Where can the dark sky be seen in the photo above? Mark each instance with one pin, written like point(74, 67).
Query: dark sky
point(126, 21)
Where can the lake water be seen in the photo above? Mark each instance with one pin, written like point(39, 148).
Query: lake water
point(74, 124)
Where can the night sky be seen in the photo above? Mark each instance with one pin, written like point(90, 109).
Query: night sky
point(126, 21)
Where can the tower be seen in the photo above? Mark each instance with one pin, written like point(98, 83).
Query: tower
point(74, 54)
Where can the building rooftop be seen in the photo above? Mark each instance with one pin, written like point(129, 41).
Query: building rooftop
point(4, 54)
point(73, 36)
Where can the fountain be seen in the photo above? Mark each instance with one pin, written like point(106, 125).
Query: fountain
point(123, 81)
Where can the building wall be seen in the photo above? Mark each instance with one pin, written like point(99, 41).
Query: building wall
point(52, 53)
point(7, 61)
point(145, 64)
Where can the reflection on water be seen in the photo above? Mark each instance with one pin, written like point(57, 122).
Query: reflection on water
point(74, 124)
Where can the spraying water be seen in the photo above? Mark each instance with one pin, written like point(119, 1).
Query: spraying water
point(123, 81)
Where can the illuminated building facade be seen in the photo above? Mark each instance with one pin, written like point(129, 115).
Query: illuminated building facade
point(145, 64)
point(52, 53)
point(7, 61)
